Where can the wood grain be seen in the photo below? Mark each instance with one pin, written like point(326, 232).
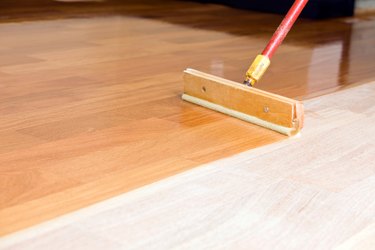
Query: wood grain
point(281, 111)
point(316, 191)
point(90, 93)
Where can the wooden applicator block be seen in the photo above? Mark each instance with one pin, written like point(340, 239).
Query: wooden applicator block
point(272, 111)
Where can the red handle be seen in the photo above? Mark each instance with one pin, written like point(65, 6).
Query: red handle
point(284, 28)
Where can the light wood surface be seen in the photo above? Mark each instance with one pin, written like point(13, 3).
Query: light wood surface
point(365, 239)
point(90, 94)
point(316, 191)
point(263, 105)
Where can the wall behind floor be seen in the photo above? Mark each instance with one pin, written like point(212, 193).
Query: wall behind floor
point(315, 9)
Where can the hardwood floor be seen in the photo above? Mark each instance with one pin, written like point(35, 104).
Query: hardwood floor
point(316, 191)
point(90, 94)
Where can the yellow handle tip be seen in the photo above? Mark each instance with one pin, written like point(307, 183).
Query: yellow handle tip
point(257, 69)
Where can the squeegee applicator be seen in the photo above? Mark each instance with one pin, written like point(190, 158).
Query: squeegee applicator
point(272, 111)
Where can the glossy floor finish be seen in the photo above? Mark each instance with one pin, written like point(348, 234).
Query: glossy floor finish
point(90, 106)
point(317, 57)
